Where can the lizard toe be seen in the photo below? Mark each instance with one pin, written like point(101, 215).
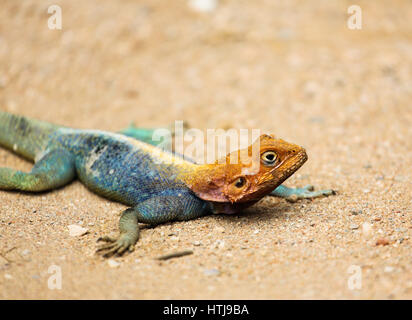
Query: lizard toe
point(106, 239)
point(328, 192)
point(116, 246)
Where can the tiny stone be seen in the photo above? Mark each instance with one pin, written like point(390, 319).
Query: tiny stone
point(377, 219)
point(356, 212)
point(382, 242)
point(113, 263)
point(211, 272)
point(25, 252)
point(197, 243)
point(256, 231)
point(388, 269)
point(203, 5)
point(354, 226)
point(220, 244)
point(8, 276)
point(76, 230)
point(400, 179)
point(366, 228)
point(220, 229)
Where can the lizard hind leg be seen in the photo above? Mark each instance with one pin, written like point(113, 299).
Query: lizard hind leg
point(55, 169)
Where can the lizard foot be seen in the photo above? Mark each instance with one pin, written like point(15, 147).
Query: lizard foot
point(115, 246)
point(308, 192)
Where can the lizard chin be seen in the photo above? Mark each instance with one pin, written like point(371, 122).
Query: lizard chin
point(228, 207)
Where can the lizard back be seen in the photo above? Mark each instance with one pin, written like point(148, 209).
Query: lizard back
point(121, 168)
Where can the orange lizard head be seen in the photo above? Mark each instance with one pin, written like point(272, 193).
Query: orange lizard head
point(248, 174)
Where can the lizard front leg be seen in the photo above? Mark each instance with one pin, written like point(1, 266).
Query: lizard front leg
point(129, 234)
point(156, 210)
point(294, 194)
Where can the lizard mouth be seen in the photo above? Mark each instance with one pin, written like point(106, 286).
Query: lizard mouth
point(279, 174)
point(292, 164)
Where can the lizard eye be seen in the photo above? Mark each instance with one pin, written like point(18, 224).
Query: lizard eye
point(240, 182)
point(269, 157)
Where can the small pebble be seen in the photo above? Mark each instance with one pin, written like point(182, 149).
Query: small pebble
point(25, 252)
point(77, 231)
point(366, 228)
point(220, 229)
point(356, 212)
point(211, 272)
point(388, 269)
point(8, 276)
point(219, 244)
point(203, 5)
point(197, 243)
point(382, 242)
point(354, 226)
point(113, 263)
point(400, 178)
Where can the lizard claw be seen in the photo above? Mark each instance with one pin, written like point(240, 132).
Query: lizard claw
point(115, 246)
point(309, 187)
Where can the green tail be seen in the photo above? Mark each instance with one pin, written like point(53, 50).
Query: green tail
point(26, 137)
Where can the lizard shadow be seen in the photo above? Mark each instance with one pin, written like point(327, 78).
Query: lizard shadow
point(263, 212)
point(258, 213)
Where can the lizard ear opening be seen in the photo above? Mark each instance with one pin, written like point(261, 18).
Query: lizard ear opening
point(210, 191)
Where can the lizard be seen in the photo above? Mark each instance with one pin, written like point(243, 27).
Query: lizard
point(156, 186)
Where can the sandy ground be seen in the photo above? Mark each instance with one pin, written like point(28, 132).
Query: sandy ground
point(289, 67)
